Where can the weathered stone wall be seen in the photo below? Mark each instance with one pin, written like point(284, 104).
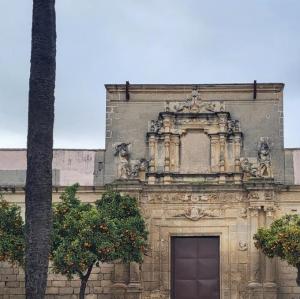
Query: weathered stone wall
point(296, 162)
point(128, 121)
point(69, 167)
point(231, 212)
point(12, 278)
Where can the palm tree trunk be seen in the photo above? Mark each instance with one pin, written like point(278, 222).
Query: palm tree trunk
point(38, 217)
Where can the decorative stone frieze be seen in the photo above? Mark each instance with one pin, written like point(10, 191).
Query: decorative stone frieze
point(195, 213)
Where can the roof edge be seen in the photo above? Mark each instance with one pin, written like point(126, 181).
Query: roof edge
point(209, 87)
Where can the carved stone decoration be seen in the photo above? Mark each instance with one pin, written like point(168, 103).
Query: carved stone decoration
point(199, 197)
point(253, 196)
point(195, 213)
point(262, 168)
point(243, 246)
point(248, 168)
point(195, 104)
point(243, 213)
point(141, 165)
point(233, 126)
point(268, 195)
point(124, 169)
point(264, 157)
point(156, 126)
point(128, 169)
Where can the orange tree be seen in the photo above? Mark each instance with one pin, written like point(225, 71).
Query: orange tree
point(85, 234)
point(281, 239)
point(12, 243)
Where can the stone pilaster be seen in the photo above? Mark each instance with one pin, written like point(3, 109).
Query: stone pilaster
point(167, 153)
point(134, 287)
point(214, 149)
point(270, 286)
point(176, 152)
point(254, 253)
point(237, 152)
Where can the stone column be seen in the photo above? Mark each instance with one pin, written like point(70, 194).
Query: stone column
point(254, 253)
point(223, 131)
point(222, 153)
point(270, 263)
point(167, 177)
point(237, 158)
point(167, 153)
point(175, 158)
point(119, 287)
point(214, 149)
point(152, 162)
point(134, 275)
point(237, 152)
point(152, 153)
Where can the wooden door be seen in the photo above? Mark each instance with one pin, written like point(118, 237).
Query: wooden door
point(195, 267)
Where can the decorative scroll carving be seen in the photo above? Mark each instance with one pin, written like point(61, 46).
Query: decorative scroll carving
point(192, 197)
point(243, 213)
point(268, 195)
point(264, 157)
point(253, 196)
point(199, 197)
point(195, 104)
point(243, 246)
point(195, 213)
point(156, 126)
point(141, 165)
point(254, 210)
point(233, 126)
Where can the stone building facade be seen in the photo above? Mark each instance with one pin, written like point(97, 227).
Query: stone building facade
point(208, 166)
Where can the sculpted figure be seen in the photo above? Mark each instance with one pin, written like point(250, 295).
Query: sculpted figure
point(248, 167)
point(124, 169)
point(264, 158)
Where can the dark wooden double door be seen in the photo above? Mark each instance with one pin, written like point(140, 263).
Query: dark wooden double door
point(195, 267)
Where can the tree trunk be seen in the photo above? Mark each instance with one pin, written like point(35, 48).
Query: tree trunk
point(298, 275)
point(38, 216)
point(84, 281)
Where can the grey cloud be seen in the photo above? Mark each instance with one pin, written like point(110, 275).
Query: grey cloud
point(155, 41)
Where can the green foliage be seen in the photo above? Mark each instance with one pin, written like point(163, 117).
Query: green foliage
point(282, 239)
point(131, 231)
point(12, 242)
point(84, 234)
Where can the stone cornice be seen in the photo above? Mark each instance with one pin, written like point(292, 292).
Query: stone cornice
point(237, 87)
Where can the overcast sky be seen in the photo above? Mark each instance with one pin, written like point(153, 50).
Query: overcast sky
point(153, 41)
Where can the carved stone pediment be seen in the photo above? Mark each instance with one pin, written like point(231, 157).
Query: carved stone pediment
point(194, 104)
point(192, 140)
